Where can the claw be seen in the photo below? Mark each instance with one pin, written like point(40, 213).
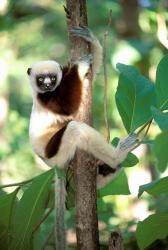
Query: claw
point(128, 143)
point(87, 58)
point(83, 32)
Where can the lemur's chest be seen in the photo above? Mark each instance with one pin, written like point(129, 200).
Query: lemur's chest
point(43, 125)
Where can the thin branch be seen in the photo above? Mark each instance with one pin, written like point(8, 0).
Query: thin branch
point(46, 242)
point(43, 219)
point(105, 76)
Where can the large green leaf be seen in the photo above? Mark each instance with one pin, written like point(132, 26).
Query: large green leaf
point(119, 185)
point(134, 97)
point(162, 84)
point(160, 118)
point(29, 210)
point(153, 228)
point(6, 208)
point(160, 147)
point(155, 187)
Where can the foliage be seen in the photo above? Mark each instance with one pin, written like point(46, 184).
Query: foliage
point(19, 219)
point(153, 228)
point(28, 211)
point(138, 101)
point(135, 98)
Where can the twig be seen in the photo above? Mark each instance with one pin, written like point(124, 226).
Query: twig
point(16, 184)
point(43, 219)
point(105, 76)
point(48, 238)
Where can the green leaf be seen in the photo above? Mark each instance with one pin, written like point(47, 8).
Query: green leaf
point(29, 210)
point(131, 159)
point(155, 187)
point(162, 84)
point(153, 228)
point(161, 118)
point(160, 147)
point(6, 208)
point(135, 94)
point(119, 185)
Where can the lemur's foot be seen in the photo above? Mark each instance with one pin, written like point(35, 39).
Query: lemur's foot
point(83, 32)
point(128, 143)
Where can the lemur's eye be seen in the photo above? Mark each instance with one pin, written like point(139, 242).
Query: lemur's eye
point(40, 79)
point(53, 78)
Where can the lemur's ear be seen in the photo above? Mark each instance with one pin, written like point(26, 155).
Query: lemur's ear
point(29, 71)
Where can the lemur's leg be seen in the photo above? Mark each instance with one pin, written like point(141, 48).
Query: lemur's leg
point(79, 135)
point(96, 48)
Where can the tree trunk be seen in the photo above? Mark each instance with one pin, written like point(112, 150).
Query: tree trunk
point(116, 241)
point(84, 165)
point(128, 26)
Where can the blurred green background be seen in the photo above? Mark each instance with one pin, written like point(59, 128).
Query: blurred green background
point(36, 30)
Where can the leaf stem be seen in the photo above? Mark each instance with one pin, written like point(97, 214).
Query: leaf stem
point(148, 127)
point(16, 184)
point(144, 126)
point(147, 124)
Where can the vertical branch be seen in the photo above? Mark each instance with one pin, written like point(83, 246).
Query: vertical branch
point(84, 165)
point(60, 233)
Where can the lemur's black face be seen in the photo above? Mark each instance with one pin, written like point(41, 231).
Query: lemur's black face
point(46, 82)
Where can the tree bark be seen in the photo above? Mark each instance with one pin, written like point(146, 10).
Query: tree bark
point(84, 165)
point(116, 241)
point(128, 26)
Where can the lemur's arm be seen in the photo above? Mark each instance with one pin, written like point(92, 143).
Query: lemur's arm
point(72, 83)
point(96, 53)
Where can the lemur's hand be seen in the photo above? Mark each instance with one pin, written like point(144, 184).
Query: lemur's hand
point(128, 143)
point(83, 32)
point(95, 49)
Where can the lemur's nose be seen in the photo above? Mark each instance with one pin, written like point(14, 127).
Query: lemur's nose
point(47, 81)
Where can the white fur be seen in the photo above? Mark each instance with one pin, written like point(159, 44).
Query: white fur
point(83, 67)
point(40, 120)
point(79, 135)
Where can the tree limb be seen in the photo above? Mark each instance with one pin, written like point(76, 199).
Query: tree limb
point(84, 165)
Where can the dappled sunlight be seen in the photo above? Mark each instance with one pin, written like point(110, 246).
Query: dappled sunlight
point(31, 31)
point(3, 7)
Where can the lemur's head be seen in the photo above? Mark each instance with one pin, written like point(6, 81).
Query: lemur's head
point(45, 76)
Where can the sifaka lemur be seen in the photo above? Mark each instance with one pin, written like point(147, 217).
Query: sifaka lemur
point(57, 93)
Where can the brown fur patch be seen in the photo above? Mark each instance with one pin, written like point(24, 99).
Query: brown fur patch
point(66, 98)
point(54, 143)
point(105, 170)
